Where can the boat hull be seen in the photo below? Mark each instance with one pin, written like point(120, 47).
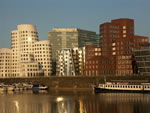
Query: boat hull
point(38, 88)
point(102, 90)
point(3, 89)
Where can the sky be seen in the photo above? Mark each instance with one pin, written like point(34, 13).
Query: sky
point(83, 14)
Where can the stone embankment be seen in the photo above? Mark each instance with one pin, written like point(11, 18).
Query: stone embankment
point(69, 83)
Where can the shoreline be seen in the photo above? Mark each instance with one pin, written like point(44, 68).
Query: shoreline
point(73, 83)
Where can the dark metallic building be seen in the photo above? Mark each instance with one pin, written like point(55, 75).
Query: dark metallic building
point(142, 57)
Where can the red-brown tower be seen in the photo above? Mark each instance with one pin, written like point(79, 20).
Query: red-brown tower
point(117, 41)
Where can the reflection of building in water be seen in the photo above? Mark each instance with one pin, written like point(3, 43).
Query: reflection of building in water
point(115, 103)
point(24, 104)
point(100, 103)
point(65, 105)
point(91, 106)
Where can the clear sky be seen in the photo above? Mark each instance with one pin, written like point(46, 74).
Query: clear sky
point(84, 14)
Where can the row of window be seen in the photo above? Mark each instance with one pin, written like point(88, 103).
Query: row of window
point(28, 35)
point(126, 86)
point(92, 67)
point(110, 26)
point(5, 63)
point(33, 74)
point(5, 54)
point(116, 44)
point(6, 75)
point(124, 66)
point(32, 70)
point(124, 72)
point(42, 49)
point(124, 61)
point(92, 62)
point(42, 45)
point(113, 31)
point(119, 53)
point(5, 60)
point(108, 72)
point(42, 56)
point(5, 71)
point(28, 32)
point(91, 73)
point(7, 67)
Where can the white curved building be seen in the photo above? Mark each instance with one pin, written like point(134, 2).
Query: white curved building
point(23, 42)
point(5, 62)
point(42, 54)
point(28, 57)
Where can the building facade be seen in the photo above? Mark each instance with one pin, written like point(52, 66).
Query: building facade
point(117, 41)
point(62, 38)
point(42, 54)
point(6, 66)
point(138, 41)
point(70, 62)
point(142, 57)
point(30, 57)
point(93, 61)
point(64, 63)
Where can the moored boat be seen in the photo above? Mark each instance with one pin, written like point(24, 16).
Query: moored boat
point(9, 88)
point(27, 86)
point(39, 87)
point(2, 89)
point(122, 87)
point(22, 86)
point(6, 88)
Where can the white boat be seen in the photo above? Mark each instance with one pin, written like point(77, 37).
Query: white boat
point(9, 88)
point(18, 87)
point(122, 87)
point(2, 89)
point(39, 87)
point(27, 86)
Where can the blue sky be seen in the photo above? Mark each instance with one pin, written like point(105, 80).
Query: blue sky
point(84, 14)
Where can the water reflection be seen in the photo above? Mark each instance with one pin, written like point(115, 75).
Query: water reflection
point(73, 102)
point(116, 103)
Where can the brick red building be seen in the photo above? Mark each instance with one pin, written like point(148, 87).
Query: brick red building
point(92, 65)
point(117, 41)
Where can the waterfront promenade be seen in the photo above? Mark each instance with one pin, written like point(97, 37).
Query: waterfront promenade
point(80, 82)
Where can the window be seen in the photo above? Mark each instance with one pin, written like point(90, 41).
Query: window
point(124, 31)
point(124, 27)
point(113, 53)
point(113, 44)
point(124, 35)
point(113, 48)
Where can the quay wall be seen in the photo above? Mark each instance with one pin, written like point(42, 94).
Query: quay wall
point(81, 82)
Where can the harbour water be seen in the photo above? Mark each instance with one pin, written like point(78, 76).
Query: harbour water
point(73, 102)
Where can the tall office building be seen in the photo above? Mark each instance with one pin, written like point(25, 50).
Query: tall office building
point(117, 40)
point(62, 38)
point(28, 57)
